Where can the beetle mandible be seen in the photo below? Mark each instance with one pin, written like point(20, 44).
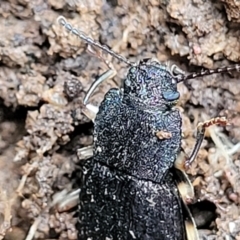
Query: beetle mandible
point(135, 186)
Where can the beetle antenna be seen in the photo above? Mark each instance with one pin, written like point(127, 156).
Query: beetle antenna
point(206, 72)
point(90, 41)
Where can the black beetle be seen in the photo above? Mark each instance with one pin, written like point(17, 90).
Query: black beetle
point(134, 186)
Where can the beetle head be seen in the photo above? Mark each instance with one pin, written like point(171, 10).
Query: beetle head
point(152, 84)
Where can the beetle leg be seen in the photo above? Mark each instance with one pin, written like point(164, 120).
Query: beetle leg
point(91, 110)
point(186, 191)
point(110, 73)
point(66, 200)
point(201, 129)
point(85, 152)
point(191, 229)
point(184, 185)
point(106, 75)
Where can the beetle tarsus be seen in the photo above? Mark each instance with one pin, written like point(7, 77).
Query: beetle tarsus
point(201, 129)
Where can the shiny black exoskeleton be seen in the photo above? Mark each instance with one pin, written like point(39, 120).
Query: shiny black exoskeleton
point(129, 189)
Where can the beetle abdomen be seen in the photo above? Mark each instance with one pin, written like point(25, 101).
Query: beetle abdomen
point(117, 206)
